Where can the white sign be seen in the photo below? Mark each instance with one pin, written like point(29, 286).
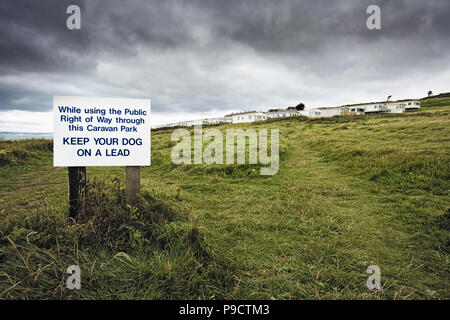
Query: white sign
point(100, 132)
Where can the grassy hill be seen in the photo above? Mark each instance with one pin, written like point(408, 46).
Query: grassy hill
point(351, 192)
point(437, 101)
point(442, 100)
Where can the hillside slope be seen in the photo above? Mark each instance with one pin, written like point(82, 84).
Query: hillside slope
point(351, 192)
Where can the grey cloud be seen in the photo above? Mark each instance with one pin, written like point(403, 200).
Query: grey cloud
point(33, 37)
point(191, 55)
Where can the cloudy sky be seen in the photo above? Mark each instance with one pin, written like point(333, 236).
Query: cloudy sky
point(197, 59)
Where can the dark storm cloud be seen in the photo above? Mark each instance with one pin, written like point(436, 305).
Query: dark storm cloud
point(197, 55)
point(292, 26)
point(33, 37)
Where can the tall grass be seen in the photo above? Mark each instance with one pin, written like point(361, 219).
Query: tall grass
point(151, 251)
point(404, 155)
point(18, 152)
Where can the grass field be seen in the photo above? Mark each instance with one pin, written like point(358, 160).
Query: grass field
point(350, 192)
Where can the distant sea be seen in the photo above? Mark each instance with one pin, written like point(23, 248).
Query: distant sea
point(25, 135)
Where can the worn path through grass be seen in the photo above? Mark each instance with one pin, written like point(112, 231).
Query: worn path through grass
point(309, 231)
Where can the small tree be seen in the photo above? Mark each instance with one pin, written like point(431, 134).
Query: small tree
point(430, 93)
point(388, 98)
point(300, 106)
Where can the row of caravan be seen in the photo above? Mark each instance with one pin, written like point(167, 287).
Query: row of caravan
point(251, 116)
point(191, 123)
point(387, 107)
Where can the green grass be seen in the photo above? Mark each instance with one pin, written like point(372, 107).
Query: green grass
point(434, 102)
point(351, 192)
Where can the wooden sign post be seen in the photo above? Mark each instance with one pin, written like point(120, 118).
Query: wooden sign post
point(77, 191)
point(133, 184)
